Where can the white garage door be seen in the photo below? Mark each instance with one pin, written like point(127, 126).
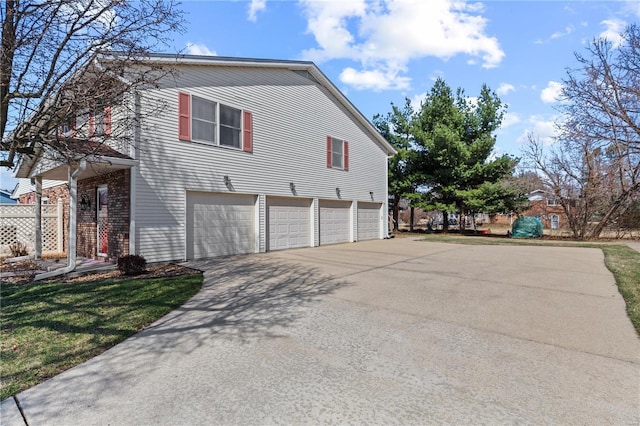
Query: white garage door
point(288, 222)
point(220, 224)
point(368, 221)
point(335, 219)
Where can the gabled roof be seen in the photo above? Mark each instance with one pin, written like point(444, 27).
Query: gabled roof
point(297, 66)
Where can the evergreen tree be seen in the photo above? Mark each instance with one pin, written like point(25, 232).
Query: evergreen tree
point(455, 142)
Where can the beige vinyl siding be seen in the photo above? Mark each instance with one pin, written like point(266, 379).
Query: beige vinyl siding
point(292, 116)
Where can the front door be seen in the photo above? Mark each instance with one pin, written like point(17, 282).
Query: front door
point(102, 220)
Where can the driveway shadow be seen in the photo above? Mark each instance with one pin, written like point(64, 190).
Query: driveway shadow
point(245, 297)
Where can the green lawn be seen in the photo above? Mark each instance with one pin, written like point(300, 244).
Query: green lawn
point(622, 261)
point(47, 328)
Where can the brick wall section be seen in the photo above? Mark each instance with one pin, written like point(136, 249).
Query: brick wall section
point(538, 208)
point(55, 193)
point(544, 211)
point(118, 188)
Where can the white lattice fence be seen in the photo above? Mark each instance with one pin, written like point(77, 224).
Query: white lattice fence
point(17, 224)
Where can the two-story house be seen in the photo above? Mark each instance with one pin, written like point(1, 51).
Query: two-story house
point(245, 156)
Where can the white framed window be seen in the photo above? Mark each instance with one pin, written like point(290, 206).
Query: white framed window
point(98, 123)
point(203, 120)
point(553, 202)
point(230, 126)
point(337, 153)
point(215, 123)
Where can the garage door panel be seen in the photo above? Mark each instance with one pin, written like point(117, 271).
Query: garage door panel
point(220, 224)
point(335, 222)
point(368, 221)
point(288, 223)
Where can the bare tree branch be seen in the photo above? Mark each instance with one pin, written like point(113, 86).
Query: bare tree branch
point(48, 44)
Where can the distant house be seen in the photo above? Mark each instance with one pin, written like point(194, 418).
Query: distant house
point(248, 156)
point(24, 192)
point(544, 205)
point(5, 197)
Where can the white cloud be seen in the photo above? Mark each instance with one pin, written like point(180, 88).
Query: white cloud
point(199, 49)
point(374, 79)
point(254, 7)
point(472, 101)
point(505, 88)
point(568, 30)
point(539, 128)
point(385, 35)
point(416, 101)
point(614, 28)
point(510, 119)
point(551, 93)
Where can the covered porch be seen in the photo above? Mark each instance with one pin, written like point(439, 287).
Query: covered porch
point(99, 200)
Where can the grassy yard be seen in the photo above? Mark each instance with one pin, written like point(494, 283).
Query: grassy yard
point(622, 261)
point(47, 328)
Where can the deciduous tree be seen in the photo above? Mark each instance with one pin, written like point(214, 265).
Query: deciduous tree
point(49, 74)
point(594, 166)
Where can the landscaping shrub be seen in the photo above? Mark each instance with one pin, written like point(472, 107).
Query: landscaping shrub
point(18, 249)
point(132, 264)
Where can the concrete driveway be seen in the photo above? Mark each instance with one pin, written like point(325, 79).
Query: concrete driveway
point(379, 332)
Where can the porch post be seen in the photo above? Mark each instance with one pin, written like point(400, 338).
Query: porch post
point(60, 223)
point(38, 217)
point(73, 213)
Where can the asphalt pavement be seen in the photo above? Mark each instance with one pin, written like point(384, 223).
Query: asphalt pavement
point(379, 332)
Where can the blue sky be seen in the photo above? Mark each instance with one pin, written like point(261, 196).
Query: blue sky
point(383, 51)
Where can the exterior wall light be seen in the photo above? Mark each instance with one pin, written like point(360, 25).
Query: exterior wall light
point(85, 203)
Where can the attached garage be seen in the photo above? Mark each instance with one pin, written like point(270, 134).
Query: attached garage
point(220, 224)
point(288, 223)
point(335, 222)
point(369, 221)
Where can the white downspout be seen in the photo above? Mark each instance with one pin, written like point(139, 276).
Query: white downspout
point(73, 220)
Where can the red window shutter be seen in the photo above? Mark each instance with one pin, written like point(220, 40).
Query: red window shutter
point(247, 131)
point(107, 120)
point(184, 116)
point(328, 151)
point(73, 127)
point(345, 149)
point(92, 125)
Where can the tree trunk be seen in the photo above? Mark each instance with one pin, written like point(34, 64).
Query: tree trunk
point(445, 221)
point(396, 212)
point(411, 219)
point(6, 61)
point(612, 210)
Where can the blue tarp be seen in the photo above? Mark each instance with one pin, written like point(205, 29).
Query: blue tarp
point(527, 227)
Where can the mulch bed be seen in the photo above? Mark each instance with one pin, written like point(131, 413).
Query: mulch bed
point(24, 271)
